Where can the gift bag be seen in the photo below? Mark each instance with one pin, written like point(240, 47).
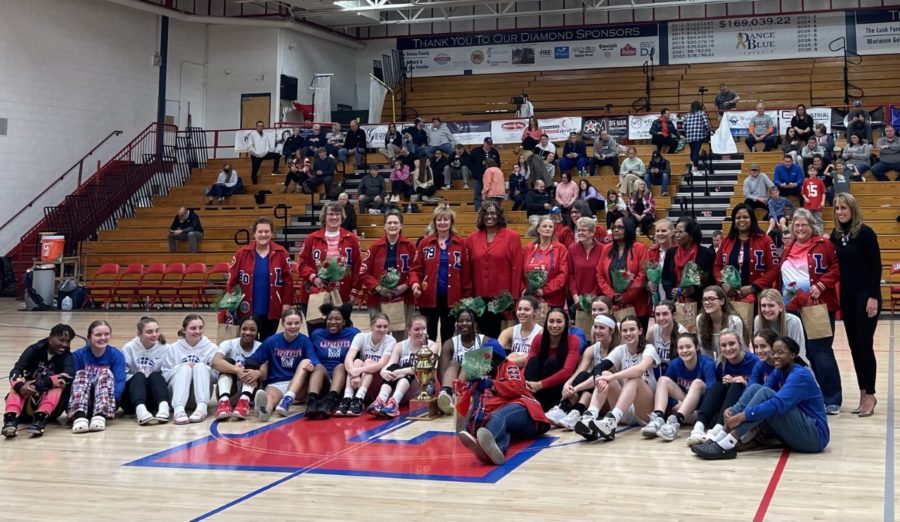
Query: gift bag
point(226, 331)
point(686, 315)
point(745, 312)
point(816, 321)
point(396, 314)
point(622, 313)
point(313, 315)
point(584, 321)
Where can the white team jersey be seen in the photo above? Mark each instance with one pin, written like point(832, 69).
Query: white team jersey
point(597, 355)
point(231, 349)
point(663, 344)
point(622, 359)
point(407, 356)
point(362, 343)
point(459, 350)
point(522, 344)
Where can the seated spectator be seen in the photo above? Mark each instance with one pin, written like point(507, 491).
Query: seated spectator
point(323, 172)
point(399, 181)
point(663, 132)
point(545, 147)
point(606, 153)
point(316, 140)
point(457, 167)
point(260, 150)
point(726, 100)
point(439, 138)
point(493, 186)
point(888, 154)
point(778, 212)
point(185, 227)
point(632, 170)
point(574, 154)
point(415, 138)
point(588, 194)
point(298, 174)
point(697, 131)
point(858, 153)
point(293, 146)
point(802, 123)
point(348, 213)
point(566, 192)
point(537, 201)
point(788, 177)
point(756, 188)
point(615, 208)
point(550, 166)
point(393, 141)
point(406, 157)
point(642, 208)
point(371, 191)
point(761, 129)
point(658, 172)
point(334, 140)
point(858, 123)
point(356, 142)
point(438, 164)
point(518, 188)
point(826, 141)
point(422, 180)
point(531, 136)
point(810, 150)
point(791, 144)
point(226, 184)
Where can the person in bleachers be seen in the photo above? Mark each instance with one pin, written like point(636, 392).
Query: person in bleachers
point(518, 187)
point(414, 137)
point(422, 179)
point(545, 147)
point(537, 201)
point(477, 159)
point(371, 191)
point(888, 154)
point(393, 141)
point(717, 240)
point(439, 138)
point(355, 142)
point(826, 141)
point(589, 194)
point(185, 227)
point(761, 129)
point(316, 139)
point(802, 122)
point(726, 100)
point(642, 207)
point(632, 169)
point(663, 132)
point(858, 153)
point(526, 108)
point(348, 212)
point(566, 192)
point(458, 166)
point(810, 150)
point(293, 146)
point(493, 184)
point(788, 177)
point(438, 164)
point(606, 152)
point(550, 164)
point(791, 144)
point(780, 208)
point(334, 140)
point(323, 171)
point(531, 136)
point(227, 183)
point(697, 131)
point(756, 188)
point(298, 174)
point(260, 151)
point(574, 154)
point(658, 172)
point(858, 123)
point(405, 157)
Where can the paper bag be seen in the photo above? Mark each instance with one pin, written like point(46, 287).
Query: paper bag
point(745, 312)
point(622, 313)
point(584, 321)
point(816, 321)
point(313, 314)
point(227, 331)
point(396, 314)
point(686, 315)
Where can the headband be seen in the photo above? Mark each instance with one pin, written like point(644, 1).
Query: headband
point(605, 321)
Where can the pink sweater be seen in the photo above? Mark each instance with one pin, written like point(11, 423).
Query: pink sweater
point(493, 184)
point(566, 193)
point(400, 174)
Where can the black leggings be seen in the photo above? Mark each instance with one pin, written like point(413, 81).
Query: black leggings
point(535, 371)
point(266, 327)
point(860, 333)
point(489, 324)
point(139, 387)
point(439, 313)
point(716, 400)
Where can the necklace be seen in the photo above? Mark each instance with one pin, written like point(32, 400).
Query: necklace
point(845, 238)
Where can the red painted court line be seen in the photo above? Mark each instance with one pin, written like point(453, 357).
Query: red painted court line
point(773, 483)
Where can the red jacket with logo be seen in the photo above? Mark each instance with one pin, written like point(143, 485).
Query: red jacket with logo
point(636, 295)
point(824, 271)
point(508, 387)
point(763, 260)
point(313, 256)
point(556, 263)
point(427, 263)
point(281, 281)
point(373, 268)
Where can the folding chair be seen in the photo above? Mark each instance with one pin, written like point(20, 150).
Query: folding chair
point(148, 288)
point(170, 283)
point(128, 284)
point(104, 284)
point(216, 281)
point(192, 286)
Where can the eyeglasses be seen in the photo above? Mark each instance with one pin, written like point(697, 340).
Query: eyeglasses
point(801, 225)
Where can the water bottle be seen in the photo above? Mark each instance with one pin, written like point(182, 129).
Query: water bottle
point(67, 304)
point(409, 208)
point(147, 303)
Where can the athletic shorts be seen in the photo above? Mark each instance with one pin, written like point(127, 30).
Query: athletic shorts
point(280, 386)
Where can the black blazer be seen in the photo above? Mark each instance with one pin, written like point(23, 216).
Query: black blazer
point(706, 257)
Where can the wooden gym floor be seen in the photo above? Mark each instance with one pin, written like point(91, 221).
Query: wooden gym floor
point(368, 469)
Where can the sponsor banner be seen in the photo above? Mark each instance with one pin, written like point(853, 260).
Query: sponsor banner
point(242, 138)
point(617, 126)
point(639, 125)
point(470, 132)
point(819, 115)
point(509, 51)
point(895, 117)
point(508, 131)
point(557, 129)
point(740, 120)
point(878, 32)
point(755, 38)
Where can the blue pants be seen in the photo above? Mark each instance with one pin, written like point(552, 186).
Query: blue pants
point(823, 364)
point(770, 142)
point(611, 161)
point(567, 163)
point(695, 152)
point(511, 422)
point(881, 169)
point(661, 179)
point(796, 429)
point(357, 155)
point(476, 187)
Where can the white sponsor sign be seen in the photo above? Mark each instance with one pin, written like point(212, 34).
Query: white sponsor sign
point(639, 124)
point(507, 131)
point(740, 120)
point(557, 129)
point(878, 32)
point(755, 38)
point(819, 115)
point(242, 138)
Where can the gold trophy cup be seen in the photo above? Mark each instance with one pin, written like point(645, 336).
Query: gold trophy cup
point(426, 360)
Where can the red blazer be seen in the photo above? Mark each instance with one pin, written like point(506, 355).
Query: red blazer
point(583, 269)
point(824, 271)
point(427, 264)
point(508, 388)
point(496, 266)
point(313, 256)
point(373, 268)
point(636, 295)
point(564, 234)
point(281, 280)
point(763, 260)
point(556, 263)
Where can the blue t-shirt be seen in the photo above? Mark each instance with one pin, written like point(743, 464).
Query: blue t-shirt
point(112, 359)
point(796, 390)
point(444, 272)
point(284, 357)
point(761, 372)
point(261, 286)
point(582, 339)
point(332, 349)
point(744, 368)
point(705, 370)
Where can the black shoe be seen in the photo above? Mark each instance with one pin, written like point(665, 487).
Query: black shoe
point(312, 407)
point(356, 407)
point(712, 451)
point(10, 427)
point(38, 425)
point(328, 405)
point(343, 407)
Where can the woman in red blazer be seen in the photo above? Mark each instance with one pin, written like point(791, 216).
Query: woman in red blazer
point(551, 256)
point(330, 241)
point(625, 253)
point(440, 272)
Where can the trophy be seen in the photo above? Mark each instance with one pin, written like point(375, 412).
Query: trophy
point(426, 360)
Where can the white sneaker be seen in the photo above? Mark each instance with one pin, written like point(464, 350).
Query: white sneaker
point(669, 431)
point(446, 187)
point(260, 401)
point(80, 426)
point(568, 422)
point(143, 415)
point(698, 435)
point(466, 186)
point(413, 198)
point(606, 427)
point(162, 414)
point(651, 430)
point(98, 423)
point(584, 426)
point(445, 403)
point(555, 415)
point(373, 211)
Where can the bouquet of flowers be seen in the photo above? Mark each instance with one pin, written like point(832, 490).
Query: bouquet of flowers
point(477, 363)
point(473, 304)
point(691, 275)
point(332, 270)
point(621, 280)
point(731, 277)
point(654, 274)
point(536, 279)
point(584, 302)
point(795, 298)
point(390, 279)
point(501, 303)
point(231, 300)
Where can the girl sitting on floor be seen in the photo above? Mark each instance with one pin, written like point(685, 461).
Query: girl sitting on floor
point(772, 315)
point(664, 333)
point(762, 347)
point(466, 339)
point(99, 380)
point(144, 356)
point(517, 339)
point(401, 369)
point(369, 353)
point(552, 359)
point(716, 314)
point(331, 344)
point(186, 368)
point(230, 362)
